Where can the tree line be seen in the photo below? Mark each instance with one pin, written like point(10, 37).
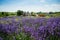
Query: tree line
point(20, 12)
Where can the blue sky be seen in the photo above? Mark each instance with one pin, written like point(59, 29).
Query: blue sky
point(30, 5)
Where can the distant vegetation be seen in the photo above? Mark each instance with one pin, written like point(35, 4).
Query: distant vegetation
point(19, 13)
point(40, 14)
point(22, 25)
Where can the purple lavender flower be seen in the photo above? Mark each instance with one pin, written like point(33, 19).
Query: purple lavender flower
point(1, 38)
point(38, 29)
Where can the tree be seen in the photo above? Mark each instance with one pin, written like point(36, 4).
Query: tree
point(50, 12)
point(6, 14)
point(39, 12)
point(32, 13)
point(2, 13)
point(19, 13)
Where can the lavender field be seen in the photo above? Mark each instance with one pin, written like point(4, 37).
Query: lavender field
point(29, 19)
point(23, 28)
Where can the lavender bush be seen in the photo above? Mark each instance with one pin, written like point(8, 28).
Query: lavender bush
point(30, 28)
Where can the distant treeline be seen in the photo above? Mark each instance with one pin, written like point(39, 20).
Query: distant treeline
point(19, 13)
point(4, 14)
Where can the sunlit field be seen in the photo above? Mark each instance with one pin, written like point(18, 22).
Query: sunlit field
point(29, 19)
point(29, 28)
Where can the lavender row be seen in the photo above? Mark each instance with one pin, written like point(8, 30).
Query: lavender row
point(36, 29)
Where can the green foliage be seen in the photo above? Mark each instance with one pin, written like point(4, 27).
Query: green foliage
point(39, 12)
point(50, 12)
point(4, 14)
point(32, 14)
point(19, 13)
point(5, 36)
point(0, 14)
point(23, 36)
point(53, 37)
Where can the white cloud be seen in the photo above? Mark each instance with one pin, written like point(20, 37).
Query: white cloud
point(52, 7)
point(35, 8)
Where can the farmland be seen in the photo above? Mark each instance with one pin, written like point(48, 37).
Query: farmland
point(29, 19)
point(31, 27)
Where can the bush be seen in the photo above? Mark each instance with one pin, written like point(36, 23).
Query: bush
point(3, 14)
point(19, 13)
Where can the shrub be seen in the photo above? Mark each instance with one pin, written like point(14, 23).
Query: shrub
point(19, 13)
